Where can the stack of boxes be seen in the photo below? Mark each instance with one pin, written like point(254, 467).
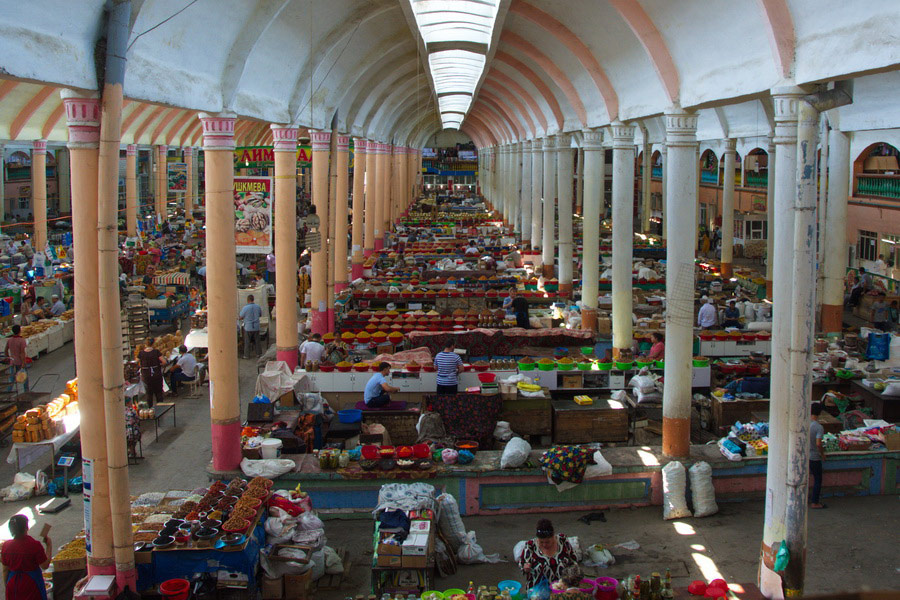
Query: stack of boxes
point(412, 553)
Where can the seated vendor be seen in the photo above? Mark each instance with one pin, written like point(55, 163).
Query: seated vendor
point(658, 349)
point(472, 250)
point(731, 316)
point(378, 390)
point(548, 555)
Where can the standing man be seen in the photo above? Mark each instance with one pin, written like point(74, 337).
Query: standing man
point(520, 309)
point(880, 267)
point(449, 365)
point(270, 267)
point(816, 455)
point(378, 390)
point(706, 318)
point(881, 313)
point(250, 315)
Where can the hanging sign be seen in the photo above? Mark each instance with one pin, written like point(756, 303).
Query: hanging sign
point(252, 157)
point(177, 177)
point(253, 214)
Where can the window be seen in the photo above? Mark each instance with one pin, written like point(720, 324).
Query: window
point(867, 245)
point(756, 230)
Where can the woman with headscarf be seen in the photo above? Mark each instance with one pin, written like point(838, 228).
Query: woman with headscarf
point(548, 555)
point(23, 558)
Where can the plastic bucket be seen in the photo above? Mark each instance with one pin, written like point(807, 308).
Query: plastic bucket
point(514, 587)
point(271, 447)
point(606, 588)
point(175, 589)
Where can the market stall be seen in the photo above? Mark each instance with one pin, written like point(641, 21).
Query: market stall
point(45, 428)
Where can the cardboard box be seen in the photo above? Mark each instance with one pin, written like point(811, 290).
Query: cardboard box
point(572, 381)
point(296, 586)
point(892, 440)
point(387, 549)
point(414, 562)
point(287, 399)
point(389, 561)
point(604, 325)
point(416, 544)
point(272, 589)
point(420, 526)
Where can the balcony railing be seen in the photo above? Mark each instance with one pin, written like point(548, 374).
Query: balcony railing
point(880, 186)
point(755, 180)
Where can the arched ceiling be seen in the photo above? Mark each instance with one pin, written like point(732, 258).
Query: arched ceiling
point(550, 65)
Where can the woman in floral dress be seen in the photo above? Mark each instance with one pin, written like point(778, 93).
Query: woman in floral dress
point(548, 555)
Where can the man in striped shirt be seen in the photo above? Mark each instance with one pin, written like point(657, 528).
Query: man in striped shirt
point(449, 365)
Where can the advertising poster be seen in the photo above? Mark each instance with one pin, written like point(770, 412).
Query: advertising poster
point(177, 176)
point(253, 214)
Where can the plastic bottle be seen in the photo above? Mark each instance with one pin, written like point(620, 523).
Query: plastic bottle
point(471, 588)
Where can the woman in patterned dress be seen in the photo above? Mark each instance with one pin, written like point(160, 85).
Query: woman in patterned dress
point(547, 556)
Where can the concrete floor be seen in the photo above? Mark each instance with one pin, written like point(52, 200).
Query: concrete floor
point(852, 543)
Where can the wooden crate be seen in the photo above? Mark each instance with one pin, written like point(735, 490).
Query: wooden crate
point(599, 422)
point(528, 416)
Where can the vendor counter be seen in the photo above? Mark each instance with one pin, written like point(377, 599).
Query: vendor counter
point(713, 348)
point(482, 488)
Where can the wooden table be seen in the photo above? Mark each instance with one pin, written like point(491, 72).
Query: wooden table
point(883, 407)
point(160, 410)
point(528, 416)
point(726, 412)
point(603, 421)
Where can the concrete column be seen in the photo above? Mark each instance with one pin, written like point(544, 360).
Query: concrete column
point(499, 202)
point(413, 158)
point(537, 193)
point(131, 195)
point(728, 209)
point(526, 195)
point(221, 284)
point(83, 120)
point(190, 158)
point(681, 140)
point(593, 153)
point(579, 182)
point(785, 104)
point(2, 183)
point(394, 166)
point(770, 217)
point(162, 183)
point(370, 230)
point(65, 183)
point(321, 150)
point(549, 234)
point(359, 202)
point(622, 234)
point(565, 164)
point(284, 141)
point(340, 213)
point(835, 237)
point(382, 214)
point(665, 171)
point(386, 185)
point(646, 169)
point(39, 194)
point(403, 183)
point(515, 194)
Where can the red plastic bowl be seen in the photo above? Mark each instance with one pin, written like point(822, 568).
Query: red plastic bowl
point(421, 451)
point(413, 369)
point(241, 529)
point(481, 368)
point(369, 452)
point(706, 337)
point(487, 377)
point(429, 368)
point(326, 368)
point(344, 369)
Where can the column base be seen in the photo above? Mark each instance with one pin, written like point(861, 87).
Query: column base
point(226, 446)
point(127, 578)
point(769, 289)
point(676, 442)
point(589, 319)
point(102, 569)
point(319, 321)
point(727, 270)
point(379, 244)
point(547, 270)
point(565, 287)
point(368, 252)
point(617, 352)
point(832, 318)
point(330, 316)
point(289, 356)
point(340, 286)
point(356, 270)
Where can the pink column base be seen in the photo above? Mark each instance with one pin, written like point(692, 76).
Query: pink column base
point(226, 446)
point(319, 321)
point(368, 252)
point(356, 271)
point(330, 314)
point(127, 579)
point(379, 244)
point(340, 287)
point(101, 569)
point(288, 356)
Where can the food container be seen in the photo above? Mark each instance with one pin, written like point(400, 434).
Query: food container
point(526, 366)
point(350, 415)
point(604, 366)
point(624, 366)
point(546, 366)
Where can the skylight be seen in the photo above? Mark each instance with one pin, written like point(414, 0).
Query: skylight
point(457, 36)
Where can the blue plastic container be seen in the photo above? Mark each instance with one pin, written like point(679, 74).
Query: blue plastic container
point(350, 415)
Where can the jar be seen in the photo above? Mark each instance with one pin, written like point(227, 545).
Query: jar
point(344, 460)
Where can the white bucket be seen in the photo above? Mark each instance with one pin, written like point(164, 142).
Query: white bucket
point(271, 448)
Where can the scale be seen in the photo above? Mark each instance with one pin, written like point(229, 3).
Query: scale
point(57, 504)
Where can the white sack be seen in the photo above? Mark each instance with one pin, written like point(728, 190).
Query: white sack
point(674, 485)
point(702, 491)
point(515, 454)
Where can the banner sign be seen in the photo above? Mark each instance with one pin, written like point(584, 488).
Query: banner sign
point(252, 157)
point(253, 214)
point(177, 177)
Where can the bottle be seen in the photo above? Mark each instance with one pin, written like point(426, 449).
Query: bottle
point(505, 595)
point(668, 580)
point(471, 589)
point(636, 588)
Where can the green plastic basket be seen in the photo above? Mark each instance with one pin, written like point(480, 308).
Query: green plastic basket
point(526, 366)
point(624, 366)
point(565, 366)
point(604, 366)
point(643, 363)
point(659, 364)
point(584, 366)
point(546, 366)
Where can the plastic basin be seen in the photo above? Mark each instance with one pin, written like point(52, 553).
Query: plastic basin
point(546, 366)
point(350, 415)
point(175, 589)
point(487, 377)
point(701, 363)
point(526, 366)
point(624, 366)
point(605, 366)
point(584, 366)
point(514, 587)
point(565, 366)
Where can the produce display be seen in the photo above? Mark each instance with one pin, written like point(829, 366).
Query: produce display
point(45, 422)
point(164, 343)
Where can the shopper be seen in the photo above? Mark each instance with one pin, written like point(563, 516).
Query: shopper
point(312, 349)
point(250, 315)
point(270, 267)
point(449, 365)
point(862, 285)
point(816, 455)
point(23, 559)
point(15, 350)
point(57, 308)
point(520, 309)
point(151, 362)
point(377, 393)
point(881, 313)
point(707, 317)
point(185, 369)
point(547, 556)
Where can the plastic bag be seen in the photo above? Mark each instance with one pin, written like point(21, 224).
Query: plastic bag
point(21, 489)
point(270, 468)
point(515, 454)
point(317, 560)
point(280, 530)
point(261, 399)
point(541, 590)
point(782, 557)
point(674, 485)
point(598, 556)
point(333, 564)
point(465, 457)
point(703, 493)
point(879, 347)
point(502, 431)
point(449, 456)
point(470, 552)
point(277, 569)
point(308, 521)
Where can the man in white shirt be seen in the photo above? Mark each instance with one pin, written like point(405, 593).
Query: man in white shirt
point(57, 307)
point(311, 350)
point(706, 318)
point(185, 369)
point(880, 267)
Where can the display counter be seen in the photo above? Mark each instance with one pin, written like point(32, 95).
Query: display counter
point(714, 348)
